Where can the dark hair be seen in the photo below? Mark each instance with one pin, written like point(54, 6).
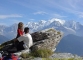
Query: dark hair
point(26, 29)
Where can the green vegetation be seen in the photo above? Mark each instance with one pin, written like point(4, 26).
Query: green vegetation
point(1, 47)
point(51, 30)
point(6, 43)
point(43, 53)
point(58, 33)
point(26, 55)
point(61, 58)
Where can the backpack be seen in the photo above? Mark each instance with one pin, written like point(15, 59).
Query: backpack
point(10, 57)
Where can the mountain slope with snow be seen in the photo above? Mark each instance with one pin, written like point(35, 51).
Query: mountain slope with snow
point(68, 27)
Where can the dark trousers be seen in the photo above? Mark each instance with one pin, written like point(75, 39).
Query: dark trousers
point(17, 46)
point(20, 46)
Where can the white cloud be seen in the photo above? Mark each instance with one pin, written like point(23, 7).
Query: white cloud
point(2, 24)
point(69, 6)
point(32, 19)
point(15, 21)
point(80, 14)
point(58, 16)
point(10, 16)
point(40, 12)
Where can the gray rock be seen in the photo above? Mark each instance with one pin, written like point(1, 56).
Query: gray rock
point(46, 39)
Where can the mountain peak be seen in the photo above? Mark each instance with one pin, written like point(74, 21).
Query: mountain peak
point(43, 21)
point(66, 26)
point(59, 20)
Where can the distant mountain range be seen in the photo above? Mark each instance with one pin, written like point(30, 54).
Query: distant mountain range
point(3, 39)
point(71, 44)
point(8, 31)
point(68, 27)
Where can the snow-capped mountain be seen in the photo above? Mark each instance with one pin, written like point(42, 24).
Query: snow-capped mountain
point(72, 24)
point(3, 39)
point(68, 27)
point(2, 27)
point(8, 31)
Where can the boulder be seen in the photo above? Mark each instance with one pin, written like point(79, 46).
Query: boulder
point(46, 39)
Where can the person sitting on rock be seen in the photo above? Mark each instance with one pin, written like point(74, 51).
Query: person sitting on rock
point(15, 44)
point(26, 38)
point(20, 32)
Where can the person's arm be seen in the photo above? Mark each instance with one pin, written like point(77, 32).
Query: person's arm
point(21, 38)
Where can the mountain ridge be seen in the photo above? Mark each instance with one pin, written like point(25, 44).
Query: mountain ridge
point(68, 27)
point(3, 39)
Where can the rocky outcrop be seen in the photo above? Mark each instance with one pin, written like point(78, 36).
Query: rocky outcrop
point(46, 39)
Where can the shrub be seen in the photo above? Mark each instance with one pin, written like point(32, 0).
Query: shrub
point(51, 30)
point(71, 59)
point(1, 47)
point(25, 55)
point(58, 33)
point(44, 53)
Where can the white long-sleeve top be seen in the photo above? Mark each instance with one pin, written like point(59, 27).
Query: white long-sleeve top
point(27, 39)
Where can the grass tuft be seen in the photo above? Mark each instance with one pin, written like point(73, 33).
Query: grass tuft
point(43, 53)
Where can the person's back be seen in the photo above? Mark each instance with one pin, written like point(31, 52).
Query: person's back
point(28, 40)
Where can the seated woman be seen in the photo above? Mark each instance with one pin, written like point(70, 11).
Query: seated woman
point(19, 33)
point(15, 44)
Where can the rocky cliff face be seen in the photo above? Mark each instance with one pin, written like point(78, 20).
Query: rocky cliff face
point(46, 39)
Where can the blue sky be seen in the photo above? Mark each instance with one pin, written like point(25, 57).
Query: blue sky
point(14, 11)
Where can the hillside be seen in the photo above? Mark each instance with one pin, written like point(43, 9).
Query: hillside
point(3, 39)
point(72, 44)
